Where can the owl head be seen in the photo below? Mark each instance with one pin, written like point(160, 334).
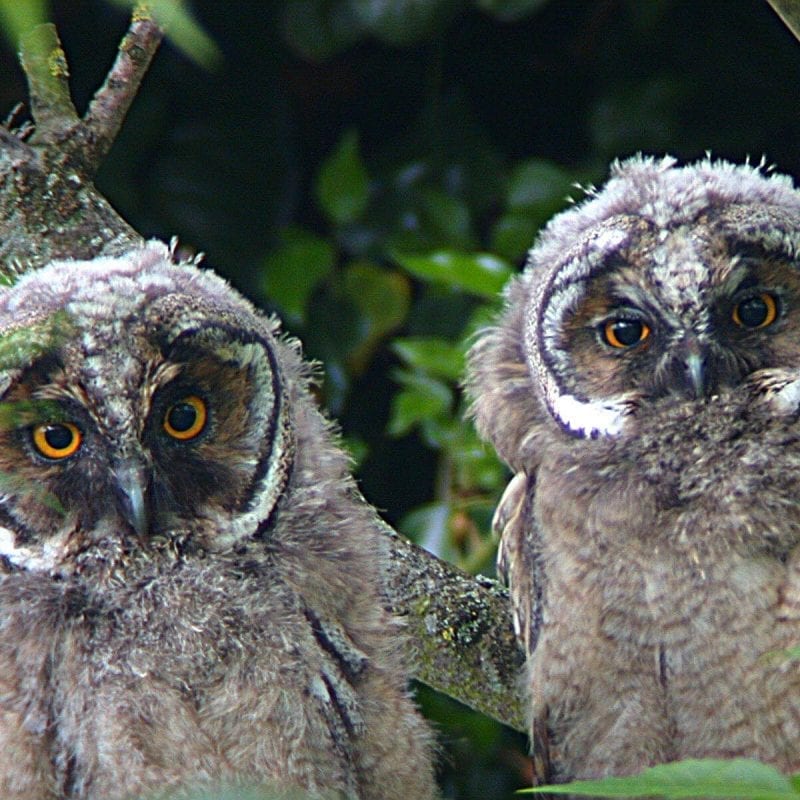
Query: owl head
point(141, 401)
point(670, 285)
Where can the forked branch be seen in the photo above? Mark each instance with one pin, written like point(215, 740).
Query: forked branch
point(49, 208)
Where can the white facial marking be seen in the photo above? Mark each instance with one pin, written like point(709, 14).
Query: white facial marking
point(589, 419)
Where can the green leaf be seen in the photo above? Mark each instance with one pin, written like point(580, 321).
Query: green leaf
point(181, 28)
point(538, 183)
point(428, 526)
point(422, 398)
point(382, 298)
point(482, 274)
point(402, 22)
point(17, 17)
point(22, 413)
point(295, 268)
point(343, 182)
point(737, 778)
point(513, 234)
point(446, 219)
point(432, 355)
point(319, 29)
point(20, 347)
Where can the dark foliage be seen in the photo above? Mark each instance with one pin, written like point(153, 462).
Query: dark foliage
point(352, 164)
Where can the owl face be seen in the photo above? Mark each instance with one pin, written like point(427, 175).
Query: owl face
point(673, 284)
point(144, 410)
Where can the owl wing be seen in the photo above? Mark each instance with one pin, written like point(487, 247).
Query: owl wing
point(518, 562)
point(520, 565)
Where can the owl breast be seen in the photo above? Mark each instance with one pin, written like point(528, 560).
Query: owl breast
point(168, 663)
point(676, 564)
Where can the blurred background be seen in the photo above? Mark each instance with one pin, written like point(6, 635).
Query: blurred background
point(374, 171)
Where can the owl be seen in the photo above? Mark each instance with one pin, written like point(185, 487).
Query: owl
point(189, 578)
point(643, 385)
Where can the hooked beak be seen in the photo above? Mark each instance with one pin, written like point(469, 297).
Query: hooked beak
point(693, 370)
point(130, 489)
point(696, 374)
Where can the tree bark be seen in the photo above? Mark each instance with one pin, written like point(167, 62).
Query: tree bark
point(463, 641)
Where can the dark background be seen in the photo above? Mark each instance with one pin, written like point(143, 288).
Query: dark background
point(466, 122)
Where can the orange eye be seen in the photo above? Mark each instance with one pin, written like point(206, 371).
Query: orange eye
point(621, 333)
point(186, 419)
point(756, 312)
point(57, 440)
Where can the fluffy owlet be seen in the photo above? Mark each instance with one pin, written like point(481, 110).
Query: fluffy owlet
point(643, 383)
point(188, 576)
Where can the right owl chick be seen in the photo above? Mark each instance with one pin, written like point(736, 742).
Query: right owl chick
point(643, 382)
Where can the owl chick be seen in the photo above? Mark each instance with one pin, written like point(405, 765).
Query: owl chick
point(643, 383)
point(188, 575)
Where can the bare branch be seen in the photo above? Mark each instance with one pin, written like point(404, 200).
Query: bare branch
point(45, 66)
point(110, 104)
point(462, 631)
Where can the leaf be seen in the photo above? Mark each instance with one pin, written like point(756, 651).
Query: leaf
point(343, 182)
point(428, 526)
point(402, 22)
point(481, 274)
point(421, 398)
point(295, 268)
point(432, 355)
point(382, 298)
point(513, 234)
point(536, 183)
point(736, 778)
point(20, 347)
point(181, 28)
point(18, 17)
point(319, 29)
point(446, 219)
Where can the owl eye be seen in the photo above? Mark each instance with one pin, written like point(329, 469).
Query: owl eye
point(186, 419)
point(622, 333)
point(756, 312)
point(57, 440)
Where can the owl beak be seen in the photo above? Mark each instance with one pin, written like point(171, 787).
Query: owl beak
point(695, 372)
point(130, 495)
point(690, 369)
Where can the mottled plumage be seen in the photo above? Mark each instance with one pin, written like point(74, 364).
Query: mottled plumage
point(643, 383)
point(188, 575)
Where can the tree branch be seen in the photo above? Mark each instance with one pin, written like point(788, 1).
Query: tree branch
point(461, 627)
point(110, 104)
point(464, 643)
point(45, 66)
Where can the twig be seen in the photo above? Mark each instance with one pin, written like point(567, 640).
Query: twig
point(108, 108)
point(45, 66)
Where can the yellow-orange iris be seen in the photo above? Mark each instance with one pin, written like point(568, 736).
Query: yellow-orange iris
point(623, 333)
point(186, 419)
point(756, 312)
point(57, 440)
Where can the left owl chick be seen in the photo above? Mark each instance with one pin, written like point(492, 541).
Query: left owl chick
point(189, 578)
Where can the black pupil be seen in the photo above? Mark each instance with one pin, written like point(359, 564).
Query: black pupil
point(753, 312)
point(628, 331)
point(181, 417)
point(59, 437)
